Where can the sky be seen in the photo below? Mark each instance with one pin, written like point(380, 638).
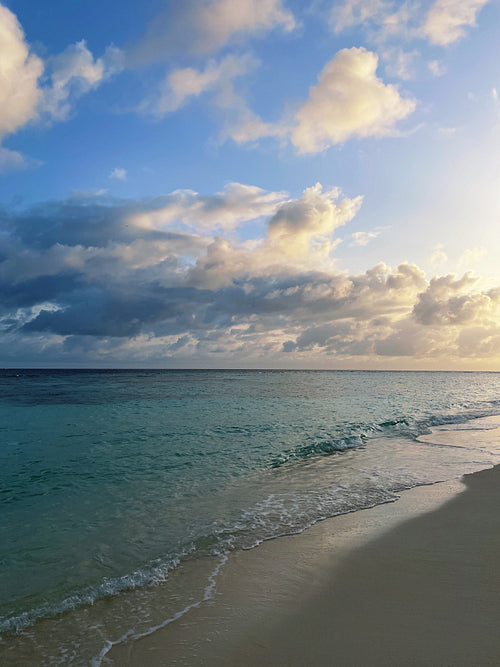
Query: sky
point(250, 184)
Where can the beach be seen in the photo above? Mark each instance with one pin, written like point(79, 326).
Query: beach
point(249, 333)
point(290, 523)
point(415, 582)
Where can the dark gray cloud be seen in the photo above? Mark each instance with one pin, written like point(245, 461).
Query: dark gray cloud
point(100, 312)
point(96, 280)
point(32, 292)
point(89, 221)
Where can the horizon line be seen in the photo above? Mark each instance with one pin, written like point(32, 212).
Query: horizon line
point(229, 368)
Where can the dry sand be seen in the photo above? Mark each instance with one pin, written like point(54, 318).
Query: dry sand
point(415, 582)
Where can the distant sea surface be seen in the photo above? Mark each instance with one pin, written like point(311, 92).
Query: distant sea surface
point(123, 492)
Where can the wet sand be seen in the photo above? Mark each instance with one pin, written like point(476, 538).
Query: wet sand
point(415, 582)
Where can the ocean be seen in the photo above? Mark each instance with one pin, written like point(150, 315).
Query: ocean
point(124, 492)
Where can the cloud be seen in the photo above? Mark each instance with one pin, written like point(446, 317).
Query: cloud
point(241, 124)
point(99, 280)
point(348, 101)
point(447, 131)
point(217, 81)
point(439, 256)
point(400, 64)
point(20, 93)
point(81, 254)
point(89, 220)
point(437, 67)
point(181, 85)
point(364, 238)
point(32, 90)
point(447, 20)
point(12, 160)
point(224, 210)
point(409, 340)
point(356, 12)
point(311, 219)
point(299, 237)
point(471, 256)
point(20, 71)
point(448, 300)
point(248, 127)
point(479, 342)
point(382, 22)
point(119, 173)
point(75, 72)
point(203, 27)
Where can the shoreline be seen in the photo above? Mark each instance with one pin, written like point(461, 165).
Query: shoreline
point(263, 605)
point(259, 591)
point(399, 583)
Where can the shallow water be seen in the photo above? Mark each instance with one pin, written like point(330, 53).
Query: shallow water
point(113, 482)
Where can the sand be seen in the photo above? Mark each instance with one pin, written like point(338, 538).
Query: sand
point(415, 582)
point(427, 593)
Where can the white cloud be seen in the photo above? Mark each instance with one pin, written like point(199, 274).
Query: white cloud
point(181, 85)
point(216, 80)
point(400, 64)
point(349, 101)
point(75, 72)
point(236, 204)
point(206, 26)
point(299, 237)
point(248, 127)
point(439, 256)
point(219, 21)
point(356, 12)
point(447, 20)
point(470, 257)
point(241, 124)
point(119, 173)
point(19, 89)
point(308, 223)
point(363, 238)
point(25, 96)
point(447, 131)
point(437, 67)
point(381, 21)
point(399, 23)
point(11, 160)
point(444, 23)
point(19, 72)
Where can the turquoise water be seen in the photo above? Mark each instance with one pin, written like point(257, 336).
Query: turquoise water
point(112, 481)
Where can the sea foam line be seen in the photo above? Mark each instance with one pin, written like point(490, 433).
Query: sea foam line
point(209, 590)
point(107, 588)
point(131, 635)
